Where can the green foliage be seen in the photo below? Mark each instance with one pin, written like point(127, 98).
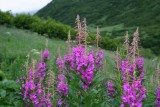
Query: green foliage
point(9, 94)
point(52, 28)
point(147, 53)
point(104, 42)
point(24, 21)
point(109, 44)
point(2, 75)
point(95, 96)
point(48, 27)
point(6, 18)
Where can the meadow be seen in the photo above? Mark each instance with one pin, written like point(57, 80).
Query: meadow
point(36, 71)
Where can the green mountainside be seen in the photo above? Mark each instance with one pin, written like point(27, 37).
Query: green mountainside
point(104, 12)
point(114, 17)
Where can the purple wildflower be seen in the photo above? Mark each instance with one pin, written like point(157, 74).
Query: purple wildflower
point(61, 77)
point(41, 70)
point(62, 85)
point(133, 94)
point(67, 105)
point(46, 55)
point(59, 102)
point(129, 68)
point(111, 89)
point(69, 62)
point(60, 64)
point(98, 60)
point(158, 97)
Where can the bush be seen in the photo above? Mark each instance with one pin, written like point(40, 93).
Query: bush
point(108, 43)
point(52, 28)
point(104, 42)
point(24, 21)
point(2, 76)
point(6, 18)
point(9, 94)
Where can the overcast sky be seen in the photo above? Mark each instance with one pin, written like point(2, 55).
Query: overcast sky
point(18, 6)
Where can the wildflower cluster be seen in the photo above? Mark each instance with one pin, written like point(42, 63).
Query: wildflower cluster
point(77, 74)
point(85, 64)
point(78, 64)
point(132, 76)
point(34, 87)
point(132, 70)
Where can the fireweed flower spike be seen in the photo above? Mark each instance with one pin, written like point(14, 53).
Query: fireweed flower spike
point(45, 55)
point(86, 33)
point(98, 36)
point(126, 42)
point(59, 102)
point(134, 48)
point(111, 89)
point(62, 85)
point(62, 88)
point(60, 61)
point(60, 64)
point(68, 42)
point(98, 60)
point(133, 94)
point(79, 30)
point(158, 97)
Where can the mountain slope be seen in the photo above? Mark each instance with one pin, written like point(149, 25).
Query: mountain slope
point(113, 17)
point(104, 11)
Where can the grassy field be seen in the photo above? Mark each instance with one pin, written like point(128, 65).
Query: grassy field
point(15, 44)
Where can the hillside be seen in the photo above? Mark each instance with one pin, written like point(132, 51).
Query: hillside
point(16, 44)
point(113, 17)
point(104, 12)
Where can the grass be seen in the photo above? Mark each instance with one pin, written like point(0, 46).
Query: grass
point(109, 28)
point(15, 44)
point(17, 41)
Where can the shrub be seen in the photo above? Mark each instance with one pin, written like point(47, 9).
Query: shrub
point(6, 18)
point(9, 94)
point(2, 76)
point(24, 21)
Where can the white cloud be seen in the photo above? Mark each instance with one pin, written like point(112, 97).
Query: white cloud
point(17, 6)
